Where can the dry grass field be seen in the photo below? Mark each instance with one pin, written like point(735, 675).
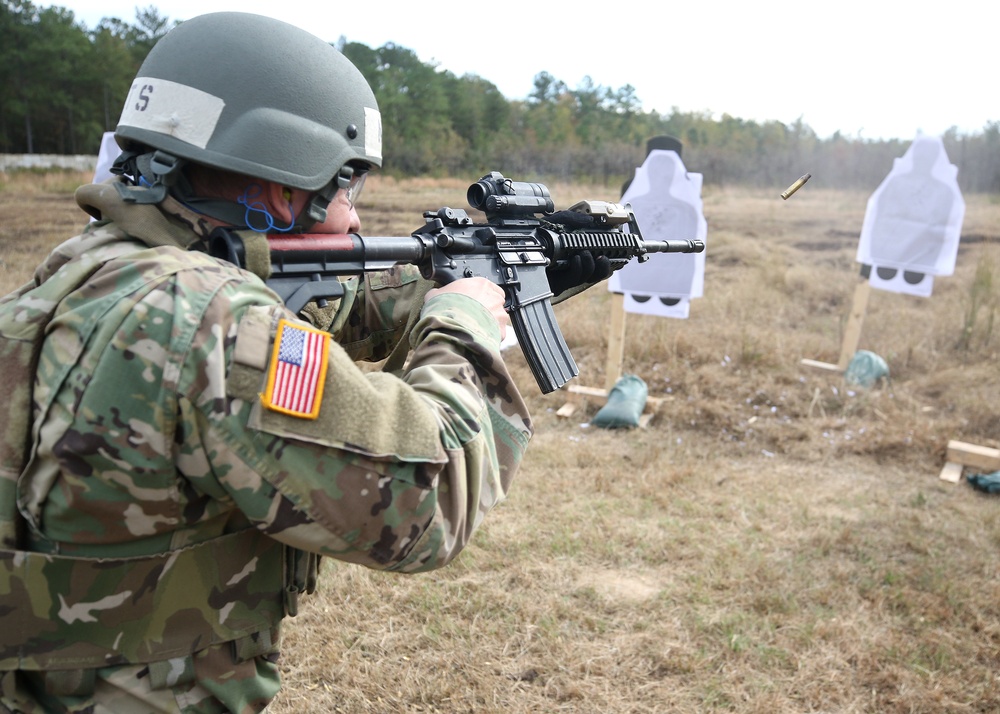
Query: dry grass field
point(775, 542)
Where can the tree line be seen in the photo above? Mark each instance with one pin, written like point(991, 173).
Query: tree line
point(63, 85)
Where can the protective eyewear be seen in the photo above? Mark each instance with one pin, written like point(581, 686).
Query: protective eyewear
point(354, 188)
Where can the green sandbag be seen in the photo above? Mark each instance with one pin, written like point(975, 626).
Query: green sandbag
point(625, 404)
point(865, 369)
point(989, 483)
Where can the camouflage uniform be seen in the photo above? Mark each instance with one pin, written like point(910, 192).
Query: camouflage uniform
point(165, 519)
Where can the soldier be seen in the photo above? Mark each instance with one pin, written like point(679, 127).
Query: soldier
point(163, 497)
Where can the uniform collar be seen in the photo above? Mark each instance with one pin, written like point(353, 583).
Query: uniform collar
point(166, 223)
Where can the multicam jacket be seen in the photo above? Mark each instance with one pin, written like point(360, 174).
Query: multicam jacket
point(169, 503)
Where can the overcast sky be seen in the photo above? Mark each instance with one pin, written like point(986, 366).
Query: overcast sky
point(875, 69)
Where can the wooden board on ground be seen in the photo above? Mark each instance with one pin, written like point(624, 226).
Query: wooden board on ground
point(820, 365)
point(951, 472)
point(962, 454)
point(977, 457)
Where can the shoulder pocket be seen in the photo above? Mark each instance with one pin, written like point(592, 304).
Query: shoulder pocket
point(372, 414)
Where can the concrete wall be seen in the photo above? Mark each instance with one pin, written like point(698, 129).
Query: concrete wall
point(9, 162)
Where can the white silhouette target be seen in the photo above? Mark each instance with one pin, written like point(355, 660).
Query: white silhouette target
point(667, 203)
point(106, 157)
point(913, 221)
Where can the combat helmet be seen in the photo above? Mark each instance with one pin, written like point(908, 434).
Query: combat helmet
point(252, 95)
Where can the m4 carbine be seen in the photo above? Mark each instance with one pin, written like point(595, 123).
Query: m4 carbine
point(519, 245)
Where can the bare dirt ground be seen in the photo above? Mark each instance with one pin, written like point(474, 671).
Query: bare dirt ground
point(775, 541)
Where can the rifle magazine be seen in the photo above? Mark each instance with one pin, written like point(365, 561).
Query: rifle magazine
point(543, 345)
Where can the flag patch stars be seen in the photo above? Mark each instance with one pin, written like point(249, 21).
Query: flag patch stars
point(297, 372)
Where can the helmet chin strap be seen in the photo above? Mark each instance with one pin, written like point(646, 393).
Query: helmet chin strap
point(156, 174)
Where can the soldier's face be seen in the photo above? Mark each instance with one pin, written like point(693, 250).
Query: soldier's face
point(341, 216)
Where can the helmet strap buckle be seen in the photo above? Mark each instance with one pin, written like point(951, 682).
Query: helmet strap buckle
point(316, 208)
point(344, 176)
point(164, 168)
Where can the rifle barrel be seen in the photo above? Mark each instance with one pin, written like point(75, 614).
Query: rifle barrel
point(674, 246)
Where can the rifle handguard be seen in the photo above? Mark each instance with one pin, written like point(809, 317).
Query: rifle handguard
point(514, 249)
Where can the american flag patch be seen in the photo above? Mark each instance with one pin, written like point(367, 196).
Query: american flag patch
point(298, 370)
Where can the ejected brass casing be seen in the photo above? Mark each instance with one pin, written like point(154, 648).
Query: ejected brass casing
point(795, 186)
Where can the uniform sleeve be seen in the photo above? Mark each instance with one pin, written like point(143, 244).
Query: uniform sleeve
point(391, 473)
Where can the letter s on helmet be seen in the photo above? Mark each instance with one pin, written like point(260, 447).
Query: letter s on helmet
point(253, 95)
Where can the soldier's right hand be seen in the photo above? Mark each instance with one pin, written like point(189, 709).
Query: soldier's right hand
point(486, 293)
